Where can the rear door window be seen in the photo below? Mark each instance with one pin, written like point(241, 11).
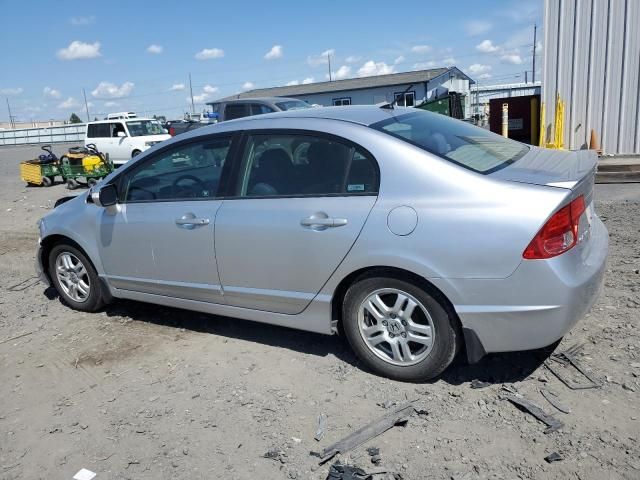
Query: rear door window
point(282, 164)
point(236, 110)
point(98, 130)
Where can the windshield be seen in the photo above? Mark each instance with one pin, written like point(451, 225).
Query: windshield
point(292, 105)
point(467, 145)
point(140, 128)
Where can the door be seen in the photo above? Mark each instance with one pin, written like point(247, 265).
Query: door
point(160, 240)
point(298, 203)
point(120, 146)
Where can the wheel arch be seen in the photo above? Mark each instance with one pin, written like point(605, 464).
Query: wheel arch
point(467, 338)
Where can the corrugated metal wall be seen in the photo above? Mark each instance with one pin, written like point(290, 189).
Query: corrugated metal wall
point(592, 59)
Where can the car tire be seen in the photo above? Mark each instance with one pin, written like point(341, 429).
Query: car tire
point(135, 153)
point(65, 281)
point(438, 337)
point(92, 182)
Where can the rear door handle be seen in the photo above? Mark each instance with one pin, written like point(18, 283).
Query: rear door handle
point(190, 220)
point(323, 222)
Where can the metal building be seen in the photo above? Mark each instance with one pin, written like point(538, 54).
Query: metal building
point(592, 61)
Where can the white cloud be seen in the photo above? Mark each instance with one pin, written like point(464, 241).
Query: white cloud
point(111, 90)
point(322, 59)
point(11, 91)
point(449, 61)
point(210, 89)
point(477, 27)
point(209, 53)
point(352, 59)
point(292, 83)
point(484, 76)
point(479, 69)
point(51, 92)
point(511, 58)
point(203, 97)
point(421, 49)
point(486, 46)
point(398, 60)
point(424, 65)
point(111, 104)
point(343, 72)
point(247, 85)
point(275, 52)
point(177, 87)
point(307, 81)
point(155, 49)
point(69, 103)
point(82, 21)
point(371, 68)
point(79, 51)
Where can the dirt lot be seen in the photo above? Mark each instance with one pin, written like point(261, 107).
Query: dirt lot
point(146, 392)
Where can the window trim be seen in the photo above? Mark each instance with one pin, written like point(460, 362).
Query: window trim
point(241, 147)
point(404, 98)
point(224, 176)
point(341, 99)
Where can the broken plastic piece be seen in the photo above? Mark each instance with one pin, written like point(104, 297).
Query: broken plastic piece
point(337, 471)
point(554, 457)
point(322, 426)
point(84, 474)
point(552, 399)
point(566, 358)
point(552, 423)
point(479, 384)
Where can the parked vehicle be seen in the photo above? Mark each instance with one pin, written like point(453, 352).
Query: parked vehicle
point(123, 139)
point(415, 234)
point(239, 108)
point(41, 171)
point(84, 166)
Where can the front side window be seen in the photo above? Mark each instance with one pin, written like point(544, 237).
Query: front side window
point(259, 109)
point(292, 105)
point(338, 102)
point(456, 141)
point(186, 172)
point(276, 165)
point(141, 128)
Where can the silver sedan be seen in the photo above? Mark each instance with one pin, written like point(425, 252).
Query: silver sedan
point(413, 234)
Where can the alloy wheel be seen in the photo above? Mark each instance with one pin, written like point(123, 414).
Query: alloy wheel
point(73, 277)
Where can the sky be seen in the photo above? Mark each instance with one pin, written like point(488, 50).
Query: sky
point(137, 55)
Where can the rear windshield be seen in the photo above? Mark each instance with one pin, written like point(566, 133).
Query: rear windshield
point(454, 140)
point(292, 105)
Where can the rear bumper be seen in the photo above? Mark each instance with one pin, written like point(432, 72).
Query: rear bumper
point(539, 303)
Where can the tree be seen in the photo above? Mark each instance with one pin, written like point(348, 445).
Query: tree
point(74, 118)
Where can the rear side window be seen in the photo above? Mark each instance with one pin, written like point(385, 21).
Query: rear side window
point(186, 172)
point(276, 165)
point(458, 142)
point(236, 110)
point(98, 130)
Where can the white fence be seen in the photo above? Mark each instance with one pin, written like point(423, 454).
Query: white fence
point(25, 136)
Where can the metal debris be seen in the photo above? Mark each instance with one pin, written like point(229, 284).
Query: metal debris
point(566, 359)
point(397, 416)
point(322, 427)
point(552, 423)
point(552, 398)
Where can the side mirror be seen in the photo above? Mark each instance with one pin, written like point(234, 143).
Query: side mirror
point(121, 134)
point(105, 195)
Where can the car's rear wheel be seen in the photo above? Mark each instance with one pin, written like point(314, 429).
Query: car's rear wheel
point(75, 278)
point(398, 329)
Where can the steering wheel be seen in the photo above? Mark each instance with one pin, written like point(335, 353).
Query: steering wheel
point(179, 189)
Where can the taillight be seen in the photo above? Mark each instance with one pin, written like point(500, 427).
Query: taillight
point(172, 131)
point(559, 234)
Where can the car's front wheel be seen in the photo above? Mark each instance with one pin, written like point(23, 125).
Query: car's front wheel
point(75, 278)
point(398, 329)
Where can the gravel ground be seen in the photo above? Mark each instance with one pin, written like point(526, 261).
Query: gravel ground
point(146, 392)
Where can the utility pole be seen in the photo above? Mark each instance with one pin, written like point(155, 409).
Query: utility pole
point(86, 105)
point(329, 59)
point(193, 108)
point(525, 77)
point(13, 125)
point(533, 74)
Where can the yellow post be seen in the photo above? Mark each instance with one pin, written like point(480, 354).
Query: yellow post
point(543, 137)
point(505, 120)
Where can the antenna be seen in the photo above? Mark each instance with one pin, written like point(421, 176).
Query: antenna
point(329, 61)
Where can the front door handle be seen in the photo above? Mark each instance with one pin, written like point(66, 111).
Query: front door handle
point(189, 220)
point(323, 222)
